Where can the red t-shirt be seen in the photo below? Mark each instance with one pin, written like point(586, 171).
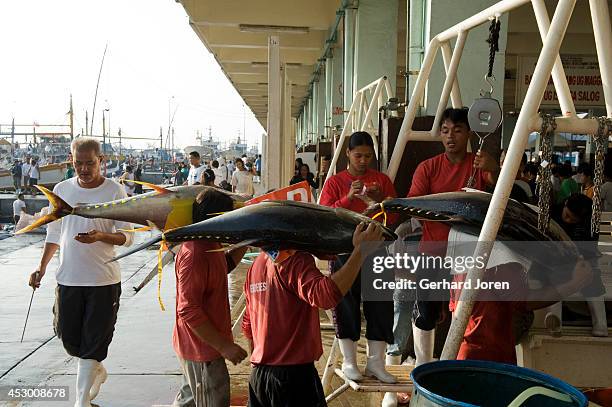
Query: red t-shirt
point(489, 334)
point(201, 295)
point(437, 175)
point(282, 309)
point(338, 186)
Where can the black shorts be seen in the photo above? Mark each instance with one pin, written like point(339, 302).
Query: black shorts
point(85, 319)
point(290, 386)
point(33, 181)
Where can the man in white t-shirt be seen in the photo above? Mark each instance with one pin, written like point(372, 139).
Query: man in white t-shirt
point(19, 206)
point(89, 288)
point(196, 169)
point(221, 172)
point(25, 170)
point(127, 177)
point(242, 180)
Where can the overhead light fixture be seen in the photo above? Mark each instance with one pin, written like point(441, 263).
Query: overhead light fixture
point(258, 28)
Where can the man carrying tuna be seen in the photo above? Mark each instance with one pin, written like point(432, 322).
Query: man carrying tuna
point(284, 292)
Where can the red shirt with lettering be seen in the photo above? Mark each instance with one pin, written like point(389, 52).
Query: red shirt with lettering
point(436, 175)
point(338, 186)
point(282, 309)
point(201, 295)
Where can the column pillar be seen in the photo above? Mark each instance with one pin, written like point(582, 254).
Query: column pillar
point(337, 115)
point(375, 42)
point(349, 58)
point(274, 140)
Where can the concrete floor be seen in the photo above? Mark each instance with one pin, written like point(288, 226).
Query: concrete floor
point(141, 364)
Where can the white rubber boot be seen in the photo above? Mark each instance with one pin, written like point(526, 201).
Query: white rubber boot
point(349, 364)
point(100, 378)
point(553, 318)
point(375, 367)
point(390, 399)
point(423, 345)
point(86, 373)
point(597, 308)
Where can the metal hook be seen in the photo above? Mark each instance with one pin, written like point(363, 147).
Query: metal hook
point(489, 80)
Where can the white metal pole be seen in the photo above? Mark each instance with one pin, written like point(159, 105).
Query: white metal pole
point(449, 82)
point(558, 73)
point(497, 207)
point(603, 42)
point(498, 8)
point(415, 100)
point(455, 92)
point(373, 105)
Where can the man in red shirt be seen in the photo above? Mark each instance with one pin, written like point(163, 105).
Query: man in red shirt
point(202, 336)
point(281, 321)
point(446, 172)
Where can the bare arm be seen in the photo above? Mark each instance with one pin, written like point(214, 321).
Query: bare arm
point(92, 236)
point(235, 256)
point(345, 277)
point(581, 277)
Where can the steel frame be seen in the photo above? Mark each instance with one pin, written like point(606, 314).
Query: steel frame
point(549, 63)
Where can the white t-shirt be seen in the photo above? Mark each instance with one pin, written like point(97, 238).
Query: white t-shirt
point(84, 264)
point(18, 206)
point(129, 186)
point(25, 169)
point(243, 181)
point(221, 174)
point(195, 174)
point(34, 172)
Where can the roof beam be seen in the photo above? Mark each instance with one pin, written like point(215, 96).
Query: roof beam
point(315, 14)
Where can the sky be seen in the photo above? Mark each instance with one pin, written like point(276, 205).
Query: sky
point(155, 67)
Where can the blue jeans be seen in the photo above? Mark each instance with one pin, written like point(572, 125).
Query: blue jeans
point(402, 327)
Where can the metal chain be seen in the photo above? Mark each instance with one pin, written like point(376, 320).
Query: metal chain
point(547, 134)
point(601, 141)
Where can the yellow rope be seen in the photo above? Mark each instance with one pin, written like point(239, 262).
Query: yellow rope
point(383, 213)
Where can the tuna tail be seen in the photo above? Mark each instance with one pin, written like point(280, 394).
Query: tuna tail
point(137, 248)
point(60, 209)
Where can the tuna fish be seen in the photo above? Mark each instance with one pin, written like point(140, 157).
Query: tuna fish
point(165, 208)
point(276, 225)
point(469, 209)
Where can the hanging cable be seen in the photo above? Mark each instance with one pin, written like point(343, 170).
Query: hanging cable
point(493, 41)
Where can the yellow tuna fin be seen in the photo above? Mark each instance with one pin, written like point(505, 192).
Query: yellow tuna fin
point(60, 209)
point(156, 188)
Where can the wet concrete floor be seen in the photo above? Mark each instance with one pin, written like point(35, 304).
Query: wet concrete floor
point(142, 366)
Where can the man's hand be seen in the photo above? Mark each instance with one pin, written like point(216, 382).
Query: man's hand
point(485, 162)
point(372, 233)
point(233, 353)
point(356, 188)
point(90, 237)
point(35, 278)
point(375, 192)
